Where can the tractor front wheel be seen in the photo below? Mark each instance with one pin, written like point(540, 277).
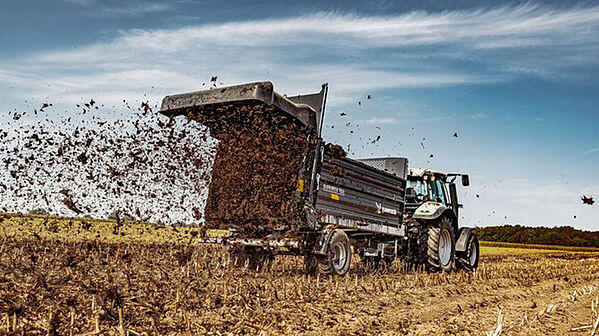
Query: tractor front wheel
point(468, 260)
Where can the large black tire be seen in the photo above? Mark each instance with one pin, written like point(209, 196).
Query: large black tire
point(436, 247)
point(338, 254)
point(468, 260)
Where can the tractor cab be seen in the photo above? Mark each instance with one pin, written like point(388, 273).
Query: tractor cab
point(434, 187)
point(431, 211)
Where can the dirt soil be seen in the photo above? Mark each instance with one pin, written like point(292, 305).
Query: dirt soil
point(255, 172)
point(334, 150)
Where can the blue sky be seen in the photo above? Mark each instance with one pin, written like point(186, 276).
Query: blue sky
point(518, 81)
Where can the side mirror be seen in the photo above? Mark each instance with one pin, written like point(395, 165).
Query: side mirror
point(465, 180)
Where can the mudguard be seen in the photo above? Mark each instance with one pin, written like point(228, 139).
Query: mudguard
point(464, 237)
point(430, 211)
point(325, 237)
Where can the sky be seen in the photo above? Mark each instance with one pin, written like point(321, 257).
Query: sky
point(517, 81)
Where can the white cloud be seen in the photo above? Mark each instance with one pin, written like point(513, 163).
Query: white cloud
point(504, 27)
point(132, 9)
point(590, 151)
point(379, 121)
point(478, 115)
point(121, 9)
point(299, 53)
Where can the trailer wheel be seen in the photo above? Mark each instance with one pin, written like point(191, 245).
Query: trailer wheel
point(338, 258)
point(468, 260)
point(436, 247)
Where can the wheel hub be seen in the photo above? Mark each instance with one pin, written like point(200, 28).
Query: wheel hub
point(339, 256)
point(444, 247)
point(473, 254)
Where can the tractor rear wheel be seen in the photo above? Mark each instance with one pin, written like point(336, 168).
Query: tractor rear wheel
point(436, 245)
point(468, 260)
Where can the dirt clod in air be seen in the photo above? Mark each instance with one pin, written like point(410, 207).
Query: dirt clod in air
point(334, 150)
point(587, 200)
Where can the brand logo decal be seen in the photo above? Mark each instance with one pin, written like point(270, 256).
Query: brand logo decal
point(333, 189)
point(382, 209)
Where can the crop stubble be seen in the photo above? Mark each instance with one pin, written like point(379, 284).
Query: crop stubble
point(179, 288)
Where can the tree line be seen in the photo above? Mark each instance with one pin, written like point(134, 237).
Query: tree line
point(561, 235)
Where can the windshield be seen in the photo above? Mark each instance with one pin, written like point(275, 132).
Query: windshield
point(420, 189)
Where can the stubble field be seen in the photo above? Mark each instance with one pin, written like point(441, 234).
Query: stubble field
point(72, 277)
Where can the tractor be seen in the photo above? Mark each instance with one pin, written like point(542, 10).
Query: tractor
point(436, 241)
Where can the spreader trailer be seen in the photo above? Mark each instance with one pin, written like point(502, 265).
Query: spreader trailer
point(376, 208)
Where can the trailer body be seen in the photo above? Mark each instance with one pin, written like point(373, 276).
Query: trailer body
point(359, 198)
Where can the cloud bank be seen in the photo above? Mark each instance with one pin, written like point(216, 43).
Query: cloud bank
point(353, 53)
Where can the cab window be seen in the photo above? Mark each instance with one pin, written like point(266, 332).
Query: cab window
point(439, 192)
point(420, 188)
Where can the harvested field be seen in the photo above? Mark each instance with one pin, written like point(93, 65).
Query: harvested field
point(548, 248)
point(62, 280)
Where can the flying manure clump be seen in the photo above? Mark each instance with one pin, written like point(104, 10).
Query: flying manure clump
point(140, 164)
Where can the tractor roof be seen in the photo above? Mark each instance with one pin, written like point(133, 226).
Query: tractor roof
point(420, 172)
